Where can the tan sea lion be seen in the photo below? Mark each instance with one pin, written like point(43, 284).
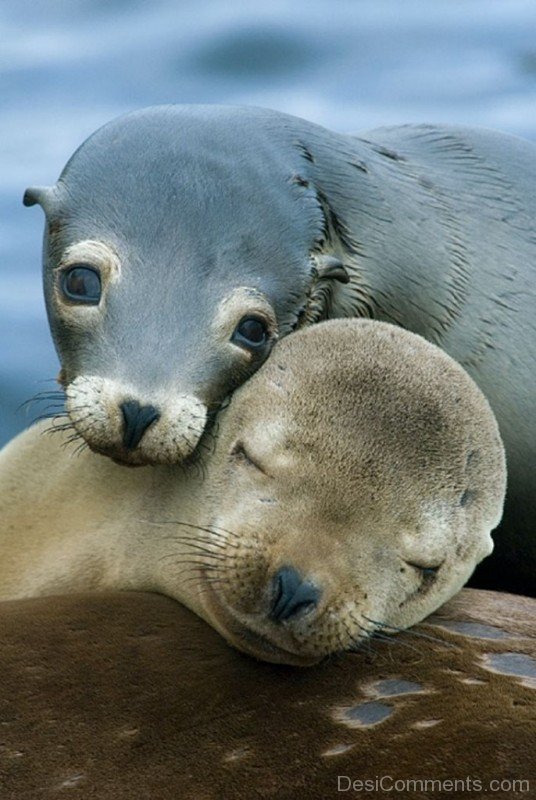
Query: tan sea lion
point(353, 486)
point(129, 696)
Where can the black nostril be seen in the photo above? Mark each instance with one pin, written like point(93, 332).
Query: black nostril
point(291, 595)
point(137, 419)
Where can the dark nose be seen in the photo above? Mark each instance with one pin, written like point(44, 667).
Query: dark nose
point(137, 419)
point(292, 595)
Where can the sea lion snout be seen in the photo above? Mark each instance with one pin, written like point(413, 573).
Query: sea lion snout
point(133, 427)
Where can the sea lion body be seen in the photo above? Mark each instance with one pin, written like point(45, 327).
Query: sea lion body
point(151, 703)
point(306, 532)
point(199, 217)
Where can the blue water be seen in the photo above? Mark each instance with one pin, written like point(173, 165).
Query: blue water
point(68, 66)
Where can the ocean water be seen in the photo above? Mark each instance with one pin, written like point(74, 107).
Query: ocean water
point(68, 66)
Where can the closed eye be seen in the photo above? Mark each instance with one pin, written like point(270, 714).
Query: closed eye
point(428, 573)
point(239, 453)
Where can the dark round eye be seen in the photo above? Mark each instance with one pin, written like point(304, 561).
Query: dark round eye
point(251, 332)
point(82, 284)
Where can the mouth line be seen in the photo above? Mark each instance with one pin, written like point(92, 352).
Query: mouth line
point(135, 458)
point(249, 641)
point(116, 455)
point(131, 464)
point(121, 456)
point(252, 643)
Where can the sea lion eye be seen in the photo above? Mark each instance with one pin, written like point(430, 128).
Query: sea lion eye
point(428, 574)
point(82, 284)
point(239, 453)
point(251, 332)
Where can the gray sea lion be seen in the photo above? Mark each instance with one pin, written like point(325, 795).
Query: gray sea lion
point(309, 531)
point(182, 241)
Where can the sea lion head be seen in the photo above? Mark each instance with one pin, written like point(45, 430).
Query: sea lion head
point(356, 480)
point(180, 243)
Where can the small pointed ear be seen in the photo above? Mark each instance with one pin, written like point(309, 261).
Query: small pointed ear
point(331, 267)
point(37, 194)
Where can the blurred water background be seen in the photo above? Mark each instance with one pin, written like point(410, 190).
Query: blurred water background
point(68, 66)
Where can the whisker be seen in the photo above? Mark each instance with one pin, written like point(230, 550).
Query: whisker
point(74, 438)
point(199, 548)
point(175, 536)
point(208, 540)
point(81, 447)
point(411, 632)
point(215, 530)
point(199, 565)
point(51, 406)
point(69, 425)
point(48, 415)
point(382, 637)
point(197, 540)
point(40, 397)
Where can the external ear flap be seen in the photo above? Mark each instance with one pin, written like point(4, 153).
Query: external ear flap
point(325, 270)
point(37, 194)
point(331, 267)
